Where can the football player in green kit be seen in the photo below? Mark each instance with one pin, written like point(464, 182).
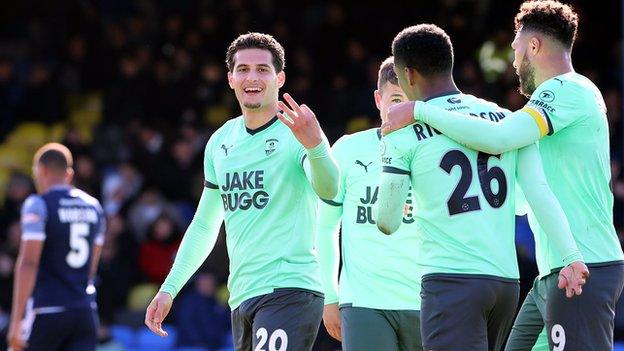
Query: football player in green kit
point(376, 304)
point(263, 172)
point(567, 114)
point(465, 206)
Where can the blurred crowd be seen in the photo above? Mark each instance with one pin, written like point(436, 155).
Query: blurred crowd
point(135, 89)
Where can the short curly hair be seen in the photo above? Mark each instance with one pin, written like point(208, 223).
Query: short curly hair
point(550, 17)
point(425, 47)
point(256, 41)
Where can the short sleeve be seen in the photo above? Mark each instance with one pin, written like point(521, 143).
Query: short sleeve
point(34, 215)
point(210, 176)
point(397, 152)
point(554, 105)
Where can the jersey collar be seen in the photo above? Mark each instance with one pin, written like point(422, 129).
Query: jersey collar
point(446, 93)
point(262, 127)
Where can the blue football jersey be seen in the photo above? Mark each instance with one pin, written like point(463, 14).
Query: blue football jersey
point(69, 221)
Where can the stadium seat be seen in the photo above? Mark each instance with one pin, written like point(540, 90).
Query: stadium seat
point(618, 346)
point(146, 340)
point(123, 335)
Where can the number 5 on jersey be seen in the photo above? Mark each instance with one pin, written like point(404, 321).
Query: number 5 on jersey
point(78, 254)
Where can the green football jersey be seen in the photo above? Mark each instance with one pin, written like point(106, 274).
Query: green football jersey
point(270, 208)
point(571, 114)
point(378, 271)
point(465, 198)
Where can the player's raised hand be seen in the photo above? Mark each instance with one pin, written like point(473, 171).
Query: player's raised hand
point(15, 342)
point(572, 278)
point(156, 312)
point(331, 320)
point(301, 121)
point(399, 116)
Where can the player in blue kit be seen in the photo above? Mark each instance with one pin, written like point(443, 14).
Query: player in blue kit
point(62, 235)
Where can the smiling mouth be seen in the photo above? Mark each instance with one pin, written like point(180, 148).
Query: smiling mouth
point(252, 91)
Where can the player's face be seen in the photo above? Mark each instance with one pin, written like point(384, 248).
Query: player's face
point(388, 95)
point(522, 64)
point(254, 80)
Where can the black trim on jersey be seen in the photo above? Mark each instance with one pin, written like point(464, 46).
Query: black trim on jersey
point(469, 276)
point(550, 127)
point(331, 203)
point(389, 169)
point(262, 127)
point(210, 185)
point(379, 133)
point(303, 159)
point(446, 93)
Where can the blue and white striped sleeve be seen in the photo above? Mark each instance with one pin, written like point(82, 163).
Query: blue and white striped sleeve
point(34, 216)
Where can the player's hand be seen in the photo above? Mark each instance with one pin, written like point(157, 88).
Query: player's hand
point(301, 121)
point(399, 116)
point(14, 338)
point(331, 319)
point(157, 311)
point(573, 277)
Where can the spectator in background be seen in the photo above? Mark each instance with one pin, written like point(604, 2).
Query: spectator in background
point(43, 101)
point(157, 252)
point(145, 211)
point(201, 320)
point(117, 271)
point(19, 188)
point(120, 186)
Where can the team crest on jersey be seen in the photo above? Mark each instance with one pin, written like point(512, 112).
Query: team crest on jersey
point(547, 96)
point(270, 146)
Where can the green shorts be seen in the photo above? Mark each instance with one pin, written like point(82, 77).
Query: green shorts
point(583, 322)
point(365, 329)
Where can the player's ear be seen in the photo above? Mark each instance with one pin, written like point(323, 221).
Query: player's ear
point(377, 95)
point(281, 79)
point(230, 79)
point(69, 175)
point(535, 45)
point(412, 76)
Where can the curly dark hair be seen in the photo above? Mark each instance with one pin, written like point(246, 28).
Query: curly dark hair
point(386, 73)
point(550, 17)
point(256, 41)
point(425, 47)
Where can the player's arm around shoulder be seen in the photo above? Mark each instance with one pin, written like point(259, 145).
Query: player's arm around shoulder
point(323, 170)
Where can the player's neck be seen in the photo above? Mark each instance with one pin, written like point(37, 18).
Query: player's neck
point(437, 86)
point(553, 65)
point(256, 118)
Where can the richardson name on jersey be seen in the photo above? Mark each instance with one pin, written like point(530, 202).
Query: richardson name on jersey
point(71, 215)
point(243, 190)
point(425, 131)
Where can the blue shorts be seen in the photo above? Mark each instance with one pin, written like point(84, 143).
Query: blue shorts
point(69, 330)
